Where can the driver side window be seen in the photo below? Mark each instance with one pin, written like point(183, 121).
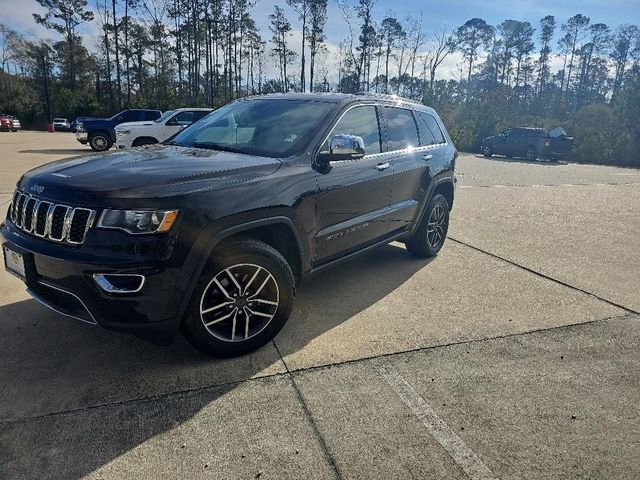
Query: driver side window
point(362, 122)
point(183, 118)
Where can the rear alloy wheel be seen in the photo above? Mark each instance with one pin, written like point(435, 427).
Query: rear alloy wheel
point(531, 155)
point(100, 142)
point(243, 299)
point(429, 238)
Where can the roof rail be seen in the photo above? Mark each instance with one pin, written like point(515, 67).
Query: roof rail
point(389, 97)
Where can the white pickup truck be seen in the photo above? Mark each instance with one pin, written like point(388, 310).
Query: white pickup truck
point(136, 134)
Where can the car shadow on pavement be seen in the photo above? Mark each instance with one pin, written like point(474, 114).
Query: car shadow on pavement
point(75, 397)
point(544, 162)
point(60, 151)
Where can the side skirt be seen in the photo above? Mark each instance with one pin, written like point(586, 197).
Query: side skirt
point(392, 238)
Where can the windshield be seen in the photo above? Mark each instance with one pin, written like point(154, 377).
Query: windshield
point(164, 116)
point(266, 127)
point(117, 115)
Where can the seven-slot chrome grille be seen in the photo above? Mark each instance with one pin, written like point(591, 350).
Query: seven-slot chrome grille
point(51, 221)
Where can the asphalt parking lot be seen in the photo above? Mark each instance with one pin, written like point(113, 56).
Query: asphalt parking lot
point(514, 354)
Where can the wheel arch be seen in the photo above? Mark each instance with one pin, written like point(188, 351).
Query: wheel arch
point(446, 189)
point(144, 137)
point(441, 184)
point(277, 230)
point(99, 131)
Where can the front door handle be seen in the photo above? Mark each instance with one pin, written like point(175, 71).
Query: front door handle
point(382, 166)
point(428, 156)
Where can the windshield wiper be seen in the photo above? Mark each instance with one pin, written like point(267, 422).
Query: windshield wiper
point(217, 146)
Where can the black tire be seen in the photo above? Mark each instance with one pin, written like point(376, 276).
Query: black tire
point(139, 142)
point(487, 151)
point(531, 155)
point(14, 130)
point(100, 142)
point(421, 243)
point(242, 258)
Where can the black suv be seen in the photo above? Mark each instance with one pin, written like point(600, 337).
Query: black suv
point(211, 231)
point(528, 143)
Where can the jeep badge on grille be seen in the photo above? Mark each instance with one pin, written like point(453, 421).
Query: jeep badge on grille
point(37, 188)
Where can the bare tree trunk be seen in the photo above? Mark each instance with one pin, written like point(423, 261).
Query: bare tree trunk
point(304, 35)
point(108, 59)
point(386, 68)
point(312, 62)
point(117, 52)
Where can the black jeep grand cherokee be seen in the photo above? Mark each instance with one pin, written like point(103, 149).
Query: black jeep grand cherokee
point(210, 232)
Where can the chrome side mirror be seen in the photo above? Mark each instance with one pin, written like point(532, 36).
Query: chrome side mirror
point(343, 147)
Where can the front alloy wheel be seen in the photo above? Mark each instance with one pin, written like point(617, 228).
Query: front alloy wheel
point(239, 302)
point(100, 142)
point(243, 298)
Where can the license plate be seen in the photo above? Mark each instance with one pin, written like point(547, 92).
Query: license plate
point(14, 262)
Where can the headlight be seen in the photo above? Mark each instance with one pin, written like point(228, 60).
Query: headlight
point(138, 221)
point(123, 132)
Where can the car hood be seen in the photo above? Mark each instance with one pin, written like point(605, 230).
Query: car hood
point(126, 125)
point(150, 172)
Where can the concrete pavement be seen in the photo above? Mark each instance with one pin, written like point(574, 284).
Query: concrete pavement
point(517, 348)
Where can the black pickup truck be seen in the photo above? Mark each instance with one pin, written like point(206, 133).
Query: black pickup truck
point(210, 232)
point(528, 143)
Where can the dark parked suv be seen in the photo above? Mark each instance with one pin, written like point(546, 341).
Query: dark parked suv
point(211, 231)
point(528, 143)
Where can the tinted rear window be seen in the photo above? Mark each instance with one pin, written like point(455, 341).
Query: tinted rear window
point(401, 129)
point(430, 132)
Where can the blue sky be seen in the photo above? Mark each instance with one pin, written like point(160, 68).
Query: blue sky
point(436, 14)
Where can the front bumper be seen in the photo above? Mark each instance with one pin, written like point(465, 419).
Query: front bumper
point(123, 141)
point(82, 137)
point(61, 277)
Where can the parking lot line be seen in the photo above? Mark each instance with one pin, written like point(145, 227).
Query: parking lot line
point(459, 451)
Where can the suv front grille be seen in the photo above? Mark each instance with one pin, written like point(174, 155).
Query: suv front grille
point(51, 221)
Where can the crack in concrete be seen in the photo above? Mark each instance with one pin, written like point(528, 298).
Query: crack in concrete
point(307, 369)
point(309, 416)
point(547, 277)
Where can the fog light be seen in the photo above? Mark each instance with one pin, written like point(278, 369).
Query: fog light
point(119, 282)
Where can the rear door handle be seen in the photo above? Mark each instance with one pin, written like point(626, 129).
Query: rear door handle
point(428, 156)
point(382, 166)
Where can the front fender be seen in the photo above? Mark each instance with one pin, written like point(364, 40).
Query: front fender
point(213, 236)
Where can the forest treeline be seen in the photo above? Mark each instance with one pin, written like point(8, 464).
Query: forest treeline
point(574, 72)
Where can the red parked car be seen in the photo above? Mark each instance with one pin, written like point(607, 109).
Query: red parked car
point(8, 122)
